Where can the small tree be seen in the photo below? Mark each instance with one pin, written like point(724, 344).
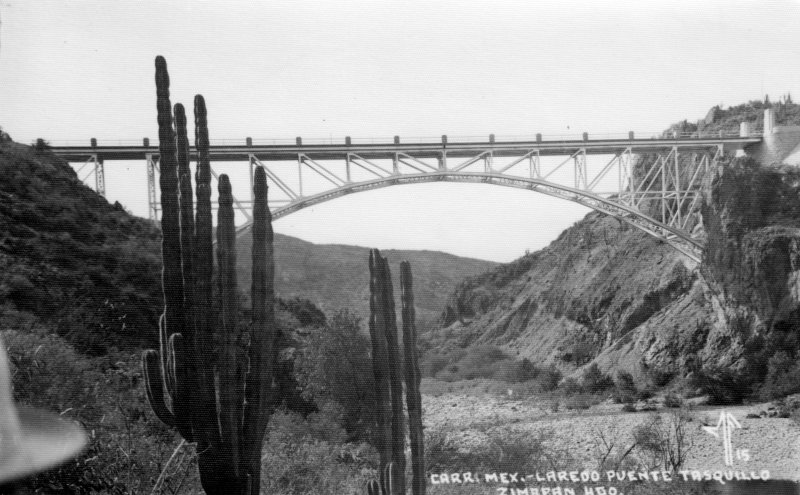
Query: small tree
point(334, 366)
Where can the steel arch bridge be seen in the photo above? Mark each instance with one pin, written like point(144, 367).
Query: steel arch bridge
point(661, 197)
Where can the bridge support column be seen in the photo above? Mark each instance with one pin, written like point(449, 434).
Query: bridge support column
point(252, 175)
point(626, 186)
point(300, 173)
point(396, 159)
point(99, 176)
point(580, 168)
point(534, 165)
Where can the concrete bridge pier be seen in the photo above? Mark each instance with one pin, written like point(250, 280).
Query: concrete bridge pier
point(780, 144)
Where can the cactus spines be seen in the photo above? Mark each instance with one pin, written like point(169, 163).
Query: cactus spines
point(209, 380)
point(413, 396)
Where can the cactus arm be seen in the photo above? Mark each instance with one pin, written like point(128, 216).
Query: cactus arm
point(391, 480)
point(373, 488)
point(377, 329)
point(203, 263)
point(180, 401)
point(186, 221)
point(230, 406)
point(151, 366)
point(181, 343)
point(413, 397)
point(172, 279)
point(263, 334)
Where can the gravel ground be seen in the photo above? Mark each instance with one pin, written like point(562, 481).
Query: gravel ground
point(772, 443)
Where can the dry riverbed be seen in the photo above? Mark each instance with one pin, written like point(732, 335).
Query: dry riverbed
point(772, 443)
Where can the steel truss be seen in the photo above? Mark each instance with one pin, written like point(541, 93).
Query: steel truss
point(652, 184)
point(660, 197)
point(98, 170)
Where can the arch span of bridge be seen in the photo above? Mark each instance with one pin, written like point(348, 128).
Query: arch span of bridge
point(677, 238)
point(660, 199)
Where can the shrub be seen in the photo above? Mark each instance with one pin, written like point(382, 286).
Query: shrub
point(582, 353)
point(483, 361)
point(334, 367)
point(480, 362)
point(625, 390)
point(788, 407)
point(665, 443)
point(128, 446)
point(581, 401)
point(673, 400)
point(570, 386)
point(783, 377)
point(660, 377)
point(595, 381)
point(432, 363)
point(504, 450)
point(307, 314)
point(548, 378)
point(723, 386)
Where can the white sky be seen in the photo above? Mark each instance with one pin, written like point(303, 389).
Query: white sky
point(71, 70)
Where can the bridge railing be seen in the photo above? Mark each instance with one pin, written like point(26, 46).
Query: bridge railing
point(659, 135)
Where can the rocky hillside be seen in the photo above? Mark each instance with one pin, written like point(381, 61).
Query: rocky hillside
point(67, 256)
point(337, 276)
point(604, 292)
point(92, 270)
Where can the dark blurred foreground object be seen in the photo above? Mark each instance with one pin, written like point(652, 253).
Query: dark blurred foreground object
point(31, 440)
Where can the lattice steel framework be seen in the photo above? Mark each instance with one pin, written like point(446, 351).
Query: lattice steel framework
point(651, 184)
point(97, 169)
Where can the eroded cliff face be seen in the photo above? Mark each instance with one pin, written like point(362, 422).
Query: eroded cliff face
point(605, 292)
point(752, 217)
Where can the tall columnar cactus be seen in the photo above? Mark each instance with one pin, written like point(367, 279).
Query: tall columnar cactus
point(413, 396)
point(389, 374)
point(210, 379)
point(380, 357)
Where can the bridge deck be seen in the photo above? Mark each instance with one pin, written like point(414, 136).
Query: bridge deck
point(418, 150)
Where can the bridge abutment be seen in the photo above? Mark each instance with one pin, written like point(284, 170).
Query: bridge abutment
point(780, 143)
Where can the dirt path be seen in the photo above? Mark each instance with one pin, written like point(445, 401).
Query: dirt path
point(772, 443)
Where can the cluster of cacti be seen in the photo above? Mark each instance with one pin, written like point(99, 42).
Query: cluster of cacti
point(388, 371)
point(210, 379)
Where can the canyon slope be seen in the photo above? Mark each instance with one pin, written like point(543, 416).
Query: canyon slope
point(606, 293)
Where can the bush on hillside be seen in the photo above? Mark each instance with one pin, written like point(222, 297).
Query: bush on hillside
point(334, 368)
point(595, 381)
point(625, 390)
point(482, 361)
point(307, 314)
point(570, 386)
point(783, 377)
point(723, 386)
